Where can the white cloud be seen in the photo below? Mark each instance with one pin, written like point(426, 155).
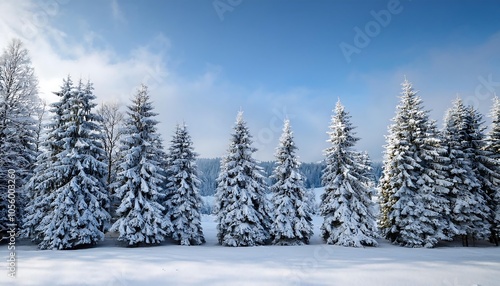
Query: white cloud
point(117, 12)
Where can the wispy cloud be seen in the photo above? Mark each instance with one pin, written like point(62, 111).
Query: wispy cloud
point(117, 12)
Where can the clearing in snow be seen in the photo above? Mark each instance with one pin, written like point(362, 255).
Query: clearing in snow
point(112, 263)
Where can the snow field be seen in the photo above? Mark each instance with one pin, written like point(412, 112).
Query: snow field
point(111, 263)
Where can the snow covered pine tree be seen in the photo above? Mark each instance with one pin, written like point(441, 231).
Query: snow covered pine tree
point(292, 221)
point(139, 179)
point(493, 147)
point(413, 187)
point(467, 198)
point(183, 201)
point(75, 208)
point(241, 206)
point(44, 178)
point(486, 169)
point(346, 204)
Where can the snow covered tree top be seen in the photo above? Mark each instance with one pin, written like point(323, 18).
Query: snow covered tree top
point(341, 130)
point(287, 146)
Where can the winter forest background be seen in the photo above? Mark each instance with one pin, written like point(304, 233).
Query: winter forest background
point(74, 170)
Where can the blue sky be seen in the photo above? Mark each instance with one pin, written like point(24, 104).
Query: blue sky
point(205, 60)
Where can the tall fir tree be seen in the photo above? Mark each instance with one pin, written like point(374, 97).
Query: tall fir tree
point(76, 212)
point(183, 202)
point(243, 215)
point(140, 178)
point(413, 187)
point(46, 176)
point(19, 102)
point(493, 191)
point(467, 199)
point(486, 168)
point(292, 220)
point(435, 184)
point(346, 204)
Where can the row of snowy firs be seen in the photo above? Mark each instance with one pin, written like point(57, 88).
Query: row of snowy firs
point(83, 179)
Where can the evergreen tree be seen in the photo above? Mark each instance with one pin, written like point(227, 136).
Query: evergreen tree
point(435, 184)
point(76, 210)
point(39, 196)
point(466, 197)
point(139, 180)
point(413, 187)
point(46, 177)
point(243, 217)
point(493, 191)
point(183, 197)
point(19, 102)
point(292, 222)
point(346, 204)
point(486, 168)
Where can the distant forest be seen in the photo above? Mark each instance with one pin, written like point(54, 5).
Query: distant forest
point(209, 170)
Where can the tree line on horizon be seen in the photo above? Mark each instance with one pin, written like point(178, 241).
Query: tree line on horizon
point(90, 169)
point(209, 169)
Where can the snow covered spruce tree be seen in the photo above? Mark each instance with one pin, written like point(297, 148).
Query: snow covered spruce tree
point(45, 175)
point(346, 204)
point(467, 197)
point(292, 221)
point(487, 170)
point(241, 206)
point(413, 188)
point(76, 210)
point(493, 147)
point(140, 177)
point(19, 102)
point(183, 201)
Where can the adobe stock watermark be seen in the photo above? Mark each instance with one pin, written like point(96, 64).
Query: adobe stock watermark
point(363, 36)
point(221, 7)
point(12, 225)
point(267, 135)
point(485, 89)
point(152, 78)
point(119, 279)
point(39, 20)
point(297, 275)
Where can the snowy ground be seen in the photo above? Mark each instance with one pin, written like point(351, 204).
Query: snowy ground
point(210, 264)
